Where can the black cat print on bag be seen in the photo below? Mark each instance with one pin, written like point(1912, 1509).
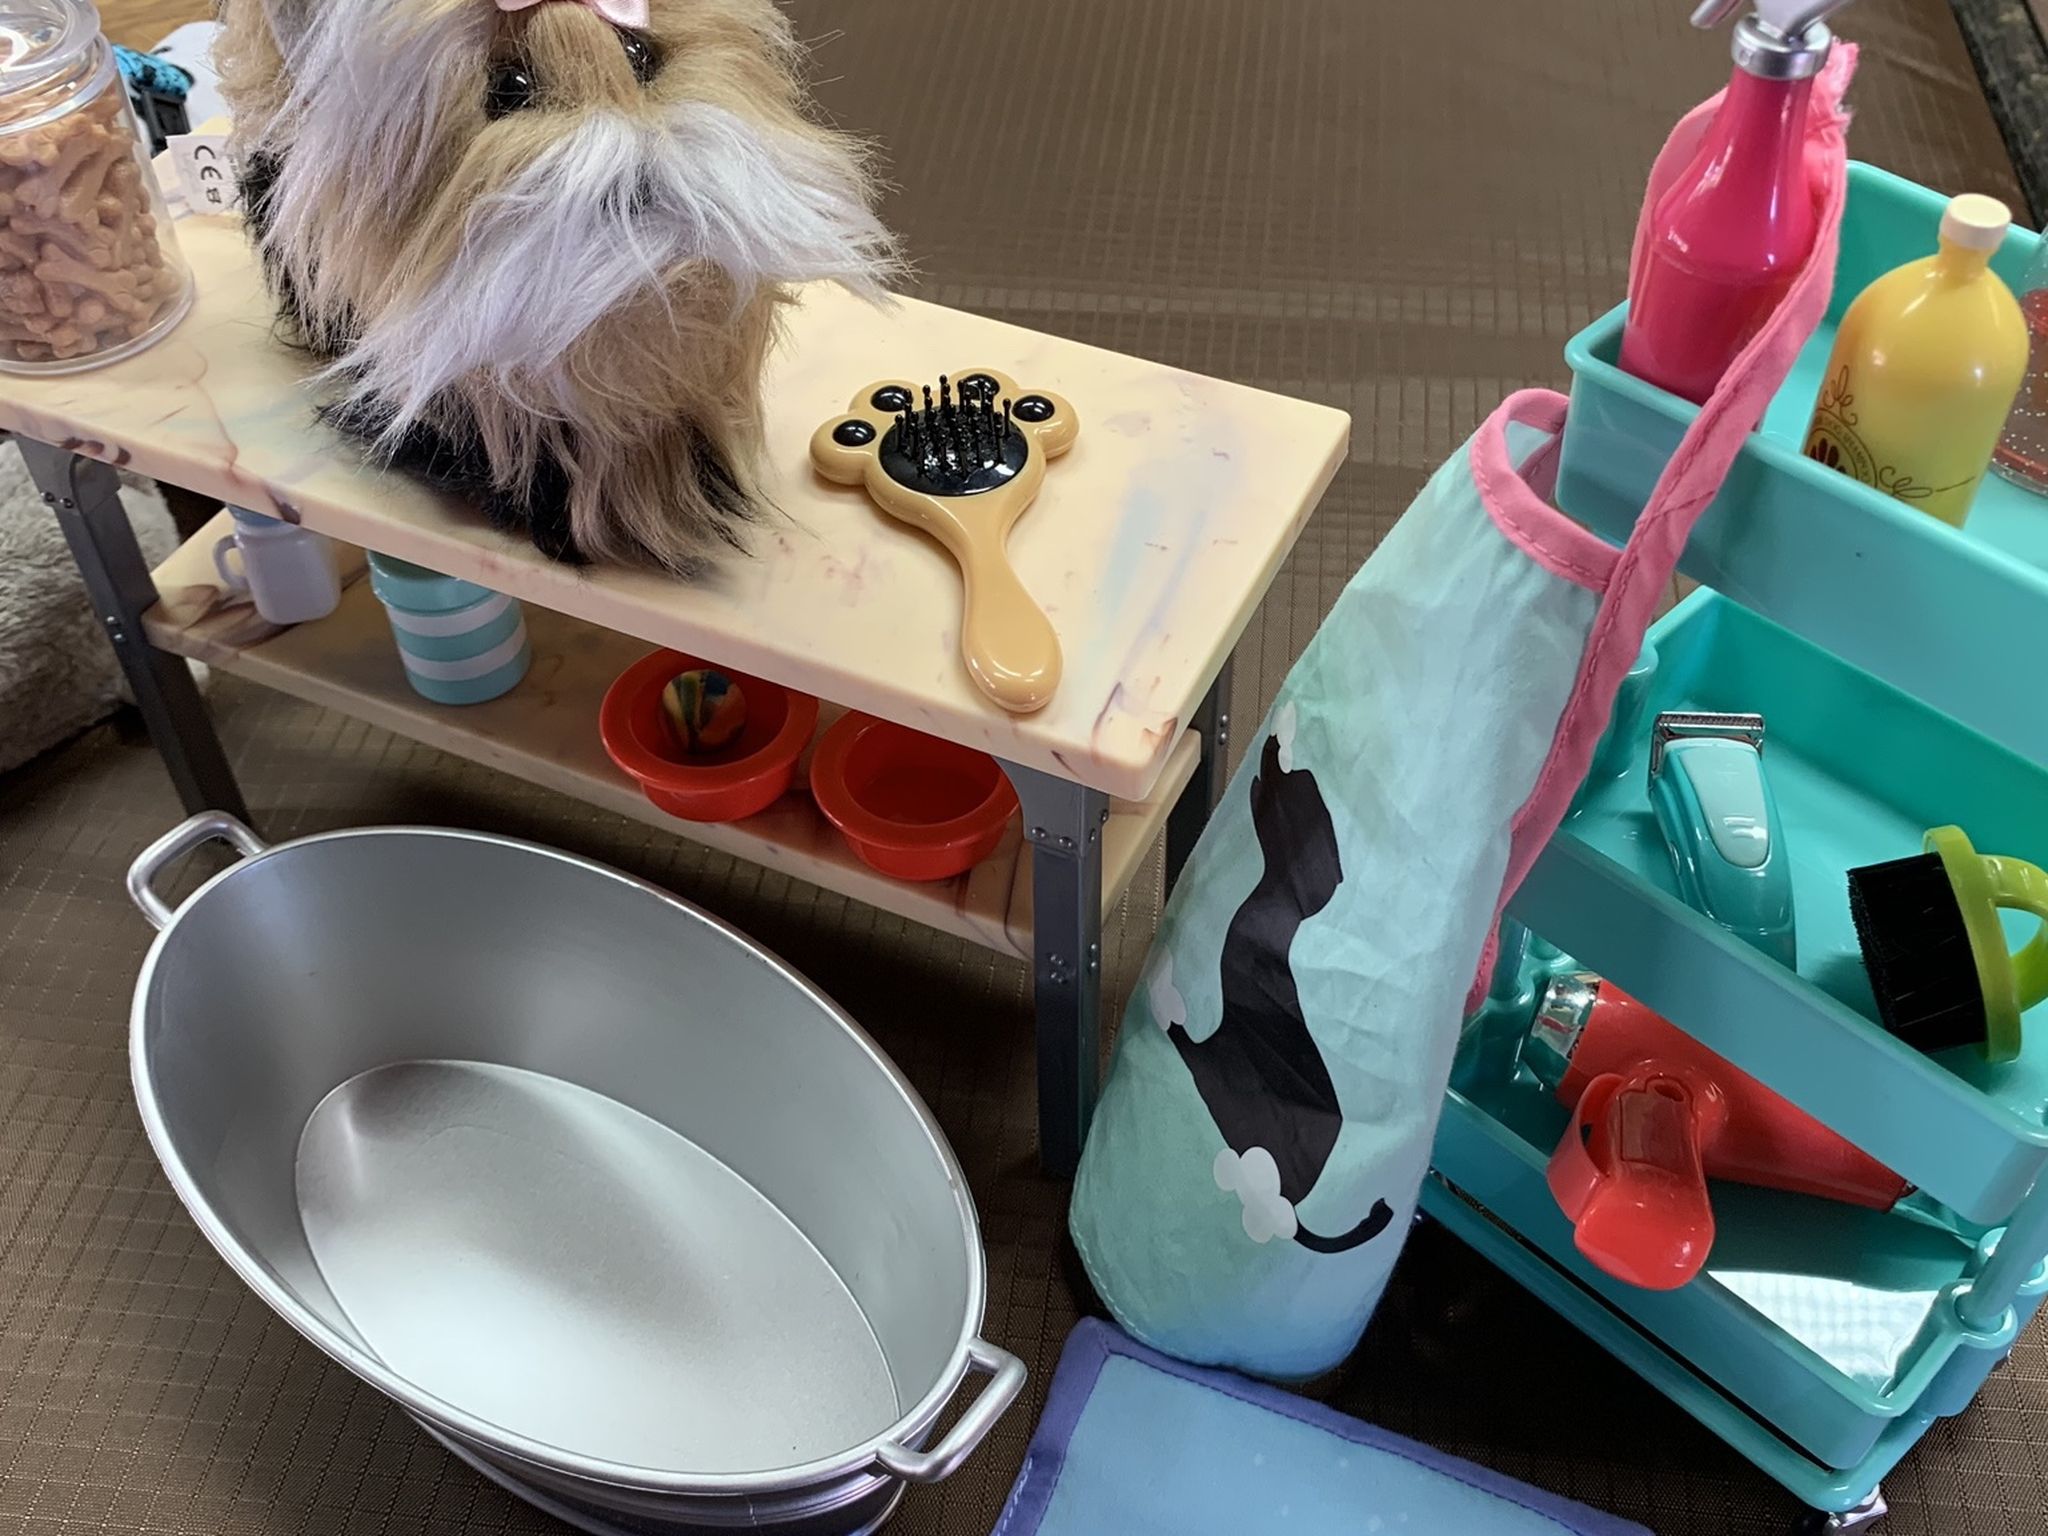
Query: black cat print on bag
point(1259, 1072)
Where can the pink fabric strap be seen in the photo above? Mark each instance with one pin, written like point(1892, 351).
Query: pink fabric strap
point(1642, 573)
point(1518, 498)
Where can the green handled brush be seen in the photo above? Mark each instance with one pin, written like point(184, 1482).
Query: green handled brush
point(1935, 948)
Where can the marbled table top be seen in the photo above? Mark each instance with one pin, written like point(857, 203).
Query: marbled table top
point(1149, 548)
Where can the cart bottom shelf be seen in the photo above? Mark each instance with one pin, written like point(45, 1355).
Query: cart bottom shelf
point(1819, 1340)
point(1833, 1489)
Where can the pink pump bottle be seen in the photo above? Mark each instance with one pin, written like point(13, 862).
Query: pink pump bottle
point(1730, 235)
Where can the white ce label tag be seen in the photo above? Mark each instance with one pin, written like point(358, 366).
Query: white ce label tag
point(205, 172)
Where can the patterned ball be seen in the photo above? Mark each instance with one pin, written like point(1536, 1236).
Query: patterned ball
point(705, 710)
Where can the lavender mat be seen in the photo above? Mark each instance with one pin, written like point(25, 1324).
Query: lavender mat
point(1136, 1444)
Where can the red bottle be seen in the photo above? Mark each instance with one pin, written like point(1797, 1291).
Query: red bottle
point(1732, 232)
point(1656, 1114)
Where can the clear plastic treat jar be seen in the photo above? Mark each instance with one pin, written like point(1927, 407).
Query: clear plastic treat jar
point(89, 266)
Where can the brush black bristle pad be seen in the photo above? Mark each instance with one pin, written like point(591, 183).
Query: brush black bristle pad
point(954, 447)
point(1917, 951)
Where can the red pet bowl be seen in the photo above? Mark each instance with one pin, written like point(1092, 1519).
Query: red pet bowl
point(910, 805)
point(739, 779)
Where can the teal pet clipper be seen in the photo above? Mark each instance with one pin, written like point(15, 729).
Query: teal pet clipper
point(1720, 822)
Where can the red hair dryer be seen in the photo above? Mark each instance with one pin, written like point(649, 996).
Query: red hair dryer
point(1655, 1115)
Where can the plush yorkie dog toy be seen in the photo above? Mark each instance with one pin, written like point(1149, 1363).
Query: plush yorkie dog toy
point(542, 243)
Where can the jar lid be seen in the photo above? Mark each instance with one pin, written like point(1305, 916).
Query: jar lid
point(1975, 222)
point(42, 38)
point(419, 590)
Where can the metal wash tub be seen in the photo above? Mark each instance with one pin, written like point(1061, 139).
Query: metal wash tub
point(616, 1205)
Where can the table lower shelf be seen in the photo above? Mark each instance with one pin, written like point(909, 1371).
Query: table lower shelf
point(545, 731)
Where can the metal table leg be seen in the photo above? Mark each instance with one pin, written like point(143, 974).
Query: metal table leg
point(1063, 822)
point(86, 496)
point(1190, 813)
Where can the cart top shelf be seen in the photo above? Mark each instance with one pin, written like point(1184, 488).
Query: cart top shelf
point(1942, 613)
point(1151, 544)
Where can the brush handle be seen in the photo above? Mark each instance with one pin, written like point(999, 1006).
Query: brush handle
point(1006, 640)
point(2007, 984)
point(2022, 887)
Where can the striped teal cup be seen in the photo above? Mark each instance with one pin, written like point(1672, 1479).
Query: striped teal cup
point(460, 643)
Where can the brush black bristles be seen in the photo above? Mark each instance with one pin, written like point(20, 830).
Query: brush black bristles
point(955, 446)
point(1916, 948)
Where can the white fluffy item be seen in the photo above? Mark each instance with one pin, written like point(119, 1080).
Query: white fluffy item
point(605, 212)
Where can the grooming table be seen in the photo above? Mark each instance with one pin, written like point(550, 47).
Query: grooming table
point(1149, 548)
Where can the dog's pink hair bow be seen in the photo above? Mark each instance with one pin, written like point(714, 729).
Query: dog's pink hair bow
point(620, 13)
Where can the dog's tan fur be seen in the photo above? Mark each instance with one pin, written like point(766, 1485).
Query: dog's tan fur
point(670, 370)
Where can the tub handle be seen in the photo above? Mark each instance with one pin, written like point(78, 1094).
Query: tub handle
point(972, 1427)
point(174, 845)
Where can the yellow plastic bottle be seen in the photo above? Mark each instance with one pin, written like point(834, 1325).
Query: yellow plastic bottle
point(1925, 368)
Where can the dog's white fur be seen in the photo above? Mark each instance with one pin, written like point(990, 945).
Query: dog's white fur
point(609, 211)
point(590, 282)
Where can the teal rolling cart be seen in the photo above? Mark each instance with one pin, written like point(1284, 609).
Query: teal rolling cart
point(1883, 649)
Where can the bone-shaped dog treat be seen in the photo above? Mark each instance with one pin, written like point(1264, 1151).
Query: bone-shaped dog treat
point(20, 294)
point(964, 470)
point(45, 327)
point(22, 250)
point(80, 201)
point(55, 239)
point(40, 191)
point(58, 267)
